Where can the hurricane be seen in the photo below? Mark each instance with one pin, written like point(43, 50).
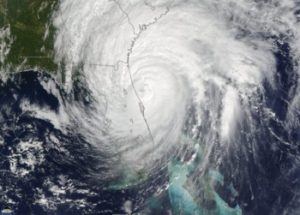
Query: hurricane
point(193, 101)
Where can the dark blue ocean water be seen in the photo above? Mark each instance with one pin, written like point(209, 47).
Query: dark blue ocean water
point(262, 167)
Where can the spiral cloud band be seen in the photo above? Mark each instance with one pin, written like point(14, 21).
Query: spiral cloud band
point(167, 75)
point(157, 107)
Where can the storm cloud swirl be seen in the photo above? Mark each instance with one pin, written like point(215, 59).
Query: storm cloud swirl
point(213, 83)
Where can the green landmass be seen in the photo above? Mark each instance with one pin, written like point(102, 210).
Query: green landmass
point(32, 33)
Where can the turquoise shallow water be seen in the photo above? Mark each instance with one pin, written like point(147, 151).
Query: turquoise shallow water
point(181, 190)
point(184, 203)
